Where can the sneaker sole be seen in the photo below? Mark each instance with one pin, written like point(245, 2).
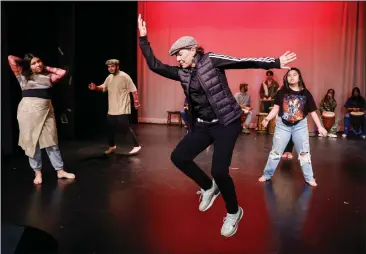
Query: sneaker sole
point(211, 203)
point(237, 223)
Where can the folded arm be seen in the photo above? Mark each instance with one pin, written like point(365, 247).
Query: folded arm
point(56, 73)
point(15, 67)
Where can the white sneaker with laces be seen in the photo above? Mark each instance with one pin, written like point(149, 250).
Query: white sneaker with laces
point(231, 222)
point(208, 197)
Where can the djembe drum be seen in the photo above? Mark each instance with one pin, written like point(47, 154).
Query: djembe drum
point(272, 123)
point(328, 119)
point(357, 119)
point(272, 126)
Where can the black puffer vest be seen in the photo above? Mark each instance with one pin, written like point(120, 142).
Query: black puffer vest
point(214, 83)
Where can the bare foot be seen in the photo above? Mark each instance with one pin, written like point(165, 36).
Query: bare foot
point(284, 155)
point(135, 150)
point(312, 183)
point(111, 150)
point(38, 178)
point(63, 174)
point(262, 179)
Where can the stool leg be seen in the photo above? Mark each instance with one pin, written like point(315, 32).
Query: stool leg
point(169, 119)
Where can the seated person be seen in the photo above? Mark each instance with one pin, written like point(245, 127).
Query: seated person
point(329, 104)
point(183, 113)
point(268, 91)
point(356, 103)
point(243, 99)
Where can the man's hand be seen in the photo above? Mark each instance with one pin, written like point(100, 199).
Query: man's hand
point(92, 86)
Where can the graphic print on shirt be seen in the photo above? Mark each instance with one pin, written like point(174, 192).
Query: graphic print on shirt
point(293, 107)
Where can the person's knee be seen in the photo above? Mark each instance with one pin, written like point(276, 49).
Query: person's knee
point(304, 158)
point(275, 153)
point(177, 158)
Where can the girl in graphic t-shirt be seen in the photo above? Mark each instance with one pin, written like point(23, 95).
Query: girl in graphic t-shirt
point(292, 104)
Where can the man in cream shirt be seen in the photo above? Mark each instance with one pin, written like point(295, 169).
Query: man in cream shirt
point(119, 86)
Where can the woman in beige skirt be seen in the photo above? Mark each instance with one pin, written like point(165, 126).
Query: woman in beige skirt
point(37, 124)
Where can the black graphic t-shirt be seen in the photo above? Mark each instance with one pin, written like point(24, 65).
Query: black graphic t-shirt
point(294, 105)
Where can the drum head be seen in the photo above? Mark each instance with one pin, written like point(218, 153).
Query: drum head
point(328, 114)
point(357, 113)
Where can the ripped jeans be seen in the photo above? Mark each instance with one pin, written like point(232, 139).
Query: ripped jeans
point(281, 137)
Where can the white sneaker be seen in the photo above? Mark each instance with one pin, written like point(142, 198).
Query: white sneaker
point(344, 135)
point(332, 135)
point(208, 197)
point(135, 150)
point(231, 222)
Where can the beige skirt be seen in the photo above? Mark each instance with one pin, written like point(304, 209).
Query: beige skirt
point(37, 124)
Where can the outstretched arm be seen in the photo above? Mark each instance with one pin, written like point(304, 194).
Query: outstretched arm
point(15, 67)
point(56, 73)
point(154, 64)
point(229, 62)
point(316, 119)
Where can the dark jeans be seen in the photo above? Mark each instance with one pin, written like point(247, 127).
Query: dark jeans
point(289, 147)
point(184, 116)
point(121, 124)
point(193, 143)
point(267, 105)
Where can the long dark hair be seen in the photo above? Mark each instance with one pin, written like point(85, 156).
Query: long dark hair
point(25, 63)
point(326, 98)
point(286, 85)
point(359, 97)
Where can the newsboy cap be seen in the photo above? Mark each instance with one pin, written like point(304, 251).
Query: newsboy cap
point(112, 61)
point(182, 43)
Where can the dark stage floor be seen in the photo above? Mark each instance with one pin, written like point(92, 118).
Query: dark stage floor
point(143, 204)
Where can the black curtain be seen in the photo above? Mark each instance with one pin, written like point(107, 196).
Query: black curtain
point(76, 36)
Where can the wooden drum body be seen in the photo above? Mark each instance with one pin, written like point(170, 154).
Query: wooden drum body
point(328, 119)
point(272, 126)
point(357, 119)
point(261, 117)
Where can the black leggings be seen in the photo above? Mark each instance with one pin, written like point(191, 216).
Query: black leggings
point(193, 143)
point(119, 123)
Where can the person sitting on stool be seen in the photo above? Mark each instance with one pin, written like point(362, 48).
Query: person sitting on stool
point(184, 114)
point(269, 89)
point(243, 99)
